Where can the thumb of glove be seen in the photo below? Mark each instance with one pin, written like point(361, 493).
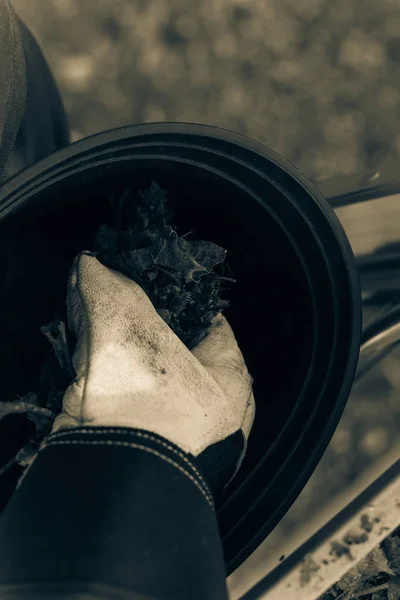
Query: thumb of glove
point(220, 355)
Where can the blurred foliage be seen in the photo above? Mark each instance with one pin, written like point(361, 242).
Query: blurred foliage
point(316, 80)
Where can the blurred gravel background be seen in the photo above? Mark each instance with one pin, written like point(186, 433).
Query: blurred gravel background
point(316, 80)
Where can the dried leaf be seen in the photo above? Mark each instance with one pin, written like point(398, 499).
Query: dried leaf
point(207, 254)
point(22, 407)
point(375, 562)
point(351, 580)
point(55, 332)
point(171, 256)
point(393, 592)
point(27, 454)
point(391, 550)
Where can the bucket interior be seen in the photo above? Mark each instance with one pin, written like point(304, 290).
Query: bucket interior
point(270, 312)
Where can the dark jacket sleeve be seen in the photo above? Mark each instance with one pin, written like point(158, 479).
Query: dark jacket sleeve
point(111, 513)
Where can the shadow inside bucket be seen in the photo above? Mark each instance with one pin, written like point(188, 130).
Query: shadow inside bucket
point(270, 311)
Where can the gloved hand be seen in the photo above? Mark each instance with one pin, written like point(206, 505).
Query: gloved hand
point(133, 371)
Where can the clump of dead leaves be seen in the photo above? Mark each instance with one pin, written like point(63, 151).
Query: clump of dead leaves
point(376, 577)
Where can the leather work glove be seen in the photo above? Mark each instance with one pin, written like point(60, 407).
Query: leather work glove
point(133, 371)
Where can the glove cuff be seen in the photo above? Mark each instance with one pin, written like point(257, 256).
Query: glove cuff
point(145, 440)
point(212, 470)
point(221, 461)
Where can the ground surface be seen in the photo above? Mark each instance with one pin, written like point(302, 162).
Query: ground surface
point(318, 81)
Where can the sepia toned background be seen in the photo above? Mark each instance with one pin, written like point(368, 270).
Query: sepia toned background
point(316, 80)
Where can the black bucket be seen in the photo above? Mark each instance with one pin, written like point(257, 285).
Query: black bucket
point(295, 308)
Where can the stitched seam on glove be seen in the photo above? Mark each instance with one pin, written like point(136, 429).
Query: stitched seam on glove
point(139, 447)
point(88, 591)
point(131, 432)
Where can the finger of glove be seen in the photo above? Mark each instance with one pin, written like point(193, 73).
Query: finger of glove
point(105, 309)
point(221, 356)
point(116, 326)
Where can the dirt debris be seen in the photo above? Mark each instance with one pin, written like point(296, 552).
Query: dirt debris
point(366, 523)
point(354, 537)
point(308, 569)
